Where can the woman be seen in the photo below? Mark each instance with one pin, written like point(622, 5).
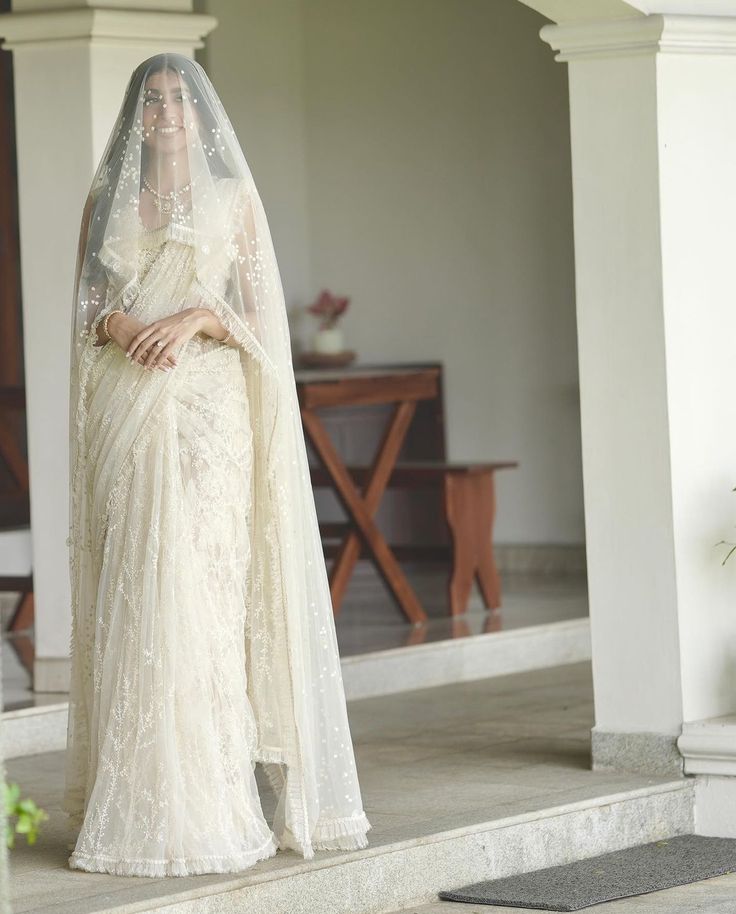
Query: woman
point(203, 638)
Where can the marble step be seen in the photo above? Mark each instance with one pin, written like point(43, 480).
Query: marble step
point(392, 875)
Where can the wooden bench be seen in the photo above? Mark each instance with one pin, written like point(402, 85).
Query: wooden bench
point(469, 502)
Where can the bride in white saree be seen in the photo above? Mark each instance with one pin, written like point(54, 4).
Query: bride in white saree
point(203, 639)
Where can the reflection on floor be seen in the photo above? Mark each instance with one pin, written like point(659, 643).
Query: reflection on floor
point(508, 746)
point(17, 662)
point(369, 620)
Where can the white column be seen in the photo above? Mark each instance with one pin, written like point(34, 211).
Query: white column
point(653, 128)
point(71, 67)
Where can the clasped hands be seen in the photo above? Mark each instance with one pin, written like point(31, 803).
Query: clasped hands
point(139, 340)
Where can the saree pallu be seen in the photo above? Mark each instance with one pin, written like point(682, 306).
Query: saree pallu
point(160, 760)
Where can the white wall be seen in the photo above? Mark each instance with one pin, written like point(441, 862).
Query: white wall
point(254, 59)
point(414, 154)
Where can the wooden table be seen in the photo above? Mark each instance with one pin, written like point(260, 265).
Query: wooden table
point(366, 385)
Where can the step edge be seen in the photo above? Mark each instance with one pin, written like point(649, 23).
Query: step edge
point(312, 866)
point(476, 640)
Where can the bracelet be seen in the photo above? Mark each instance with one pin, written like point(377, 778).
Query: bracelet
point(229, 334)
point(107, 318)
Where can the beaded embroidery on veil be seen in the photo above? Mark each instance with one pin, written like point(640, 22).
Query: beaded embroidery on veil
point(202, 630)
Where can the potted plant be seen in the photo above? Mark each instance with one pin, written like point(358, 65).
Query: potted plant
point(28, 816)
point(328, 308)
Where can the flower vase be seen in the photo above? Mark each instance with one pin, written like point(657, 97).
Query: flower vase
point(328, 340)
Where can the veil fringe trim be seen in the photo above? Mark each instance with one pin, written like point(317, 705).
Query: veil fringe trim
point(234, 325)
point(342, 833)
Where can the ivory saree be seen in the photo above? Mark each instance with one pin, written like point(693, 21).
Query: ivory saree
point(177, 635)
point(171, 730)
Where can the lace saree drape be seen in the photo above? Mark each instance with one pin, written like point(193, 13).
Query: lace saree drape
point(202, 632)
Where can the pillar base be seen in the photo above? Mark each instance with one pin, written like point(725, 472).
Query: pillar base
point(643, 753)
point(709, 751)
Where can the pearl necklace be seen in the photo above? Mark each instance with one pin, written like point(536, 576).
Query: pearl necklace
point(165, 203)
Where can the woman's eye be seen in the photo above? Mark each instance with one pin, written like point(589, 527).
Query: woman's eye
point(157, 99)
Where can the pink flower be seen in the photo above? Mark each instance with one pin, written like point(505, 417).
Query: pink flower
point(328, 308)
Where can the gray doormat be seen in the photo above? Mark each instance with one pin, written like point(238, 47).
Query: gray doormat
point(620, 874)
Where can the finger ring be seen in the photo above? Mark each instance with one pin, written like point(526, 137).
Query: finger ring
point(159, 343)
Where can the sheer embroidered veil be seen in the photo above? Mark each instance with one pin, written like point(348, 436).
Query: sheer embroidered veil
point(294, 675)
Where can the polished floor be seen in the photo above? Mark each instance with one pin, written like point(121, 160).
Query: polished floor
point(369, 620)
point(508, 745)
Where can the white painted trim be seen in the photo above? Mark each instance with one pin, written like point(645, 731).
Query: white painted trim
point(163, 29)
point(579, 10)
point(23, 713)
point(715, 805)
point(422, 666)
point(29, 731)
point(540, 558)
point(686, 7)
point(436, 663)
point(648, 35)
point(709, 746)
point(43, 6)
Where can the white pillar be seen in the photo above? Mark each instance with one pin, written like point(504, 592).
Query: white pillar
point(70, 67)
point(653, 128)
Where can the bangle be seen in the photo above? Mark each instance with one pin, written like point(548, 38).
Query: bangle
point(107, 318)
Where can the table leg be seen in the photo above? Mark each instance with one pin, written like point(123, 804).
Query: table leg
point(11, 454)
point(470, 506)
point(23, 614)
point(489, 579)
point(378, 477)
point(360, 509)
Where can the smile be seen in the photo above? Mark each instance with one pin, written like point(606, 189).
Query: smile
point(167, 130)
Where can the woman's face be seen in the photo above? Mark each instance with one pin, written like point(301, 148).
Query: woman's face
point(164, 130)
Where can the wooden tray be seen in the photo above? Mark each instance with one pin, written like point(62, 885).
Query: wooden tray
point(326, 359)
